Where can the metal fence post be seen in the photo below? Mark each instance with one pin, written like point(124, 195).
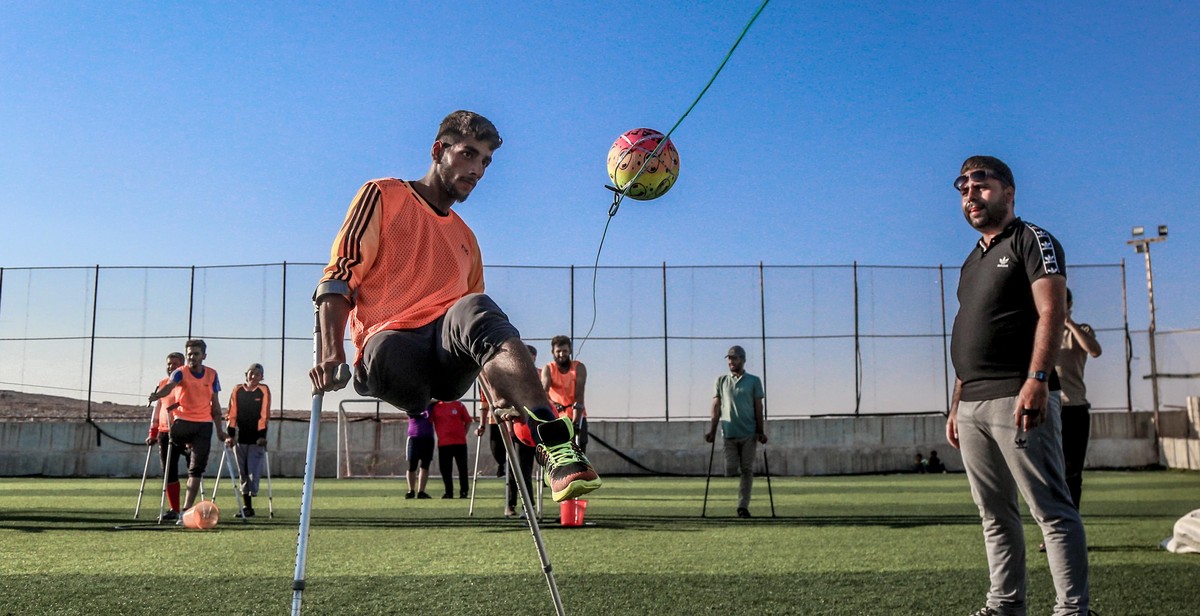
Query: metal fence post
point(92, 348)
point(666, 351)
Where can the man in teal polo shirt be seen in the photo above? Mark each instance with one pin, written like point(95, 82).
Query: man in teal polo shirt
point(738, 405)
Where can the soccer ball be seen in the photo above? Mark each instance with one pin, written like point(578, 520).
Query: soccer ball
point(627, 155)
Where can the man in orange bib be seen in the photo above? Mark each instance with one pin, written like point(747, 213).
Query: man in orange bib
point(198, 414)
point(565, 380)
point(160, 432)
point(407, 274)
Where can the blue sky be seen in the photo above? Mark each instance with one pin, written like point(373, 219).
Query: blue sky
point(216, 133)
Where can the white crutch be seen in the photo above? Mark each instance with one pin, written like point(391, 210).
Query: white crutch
point(514, 467)
point(342, 375)
point(474, 475)
point(270, 504)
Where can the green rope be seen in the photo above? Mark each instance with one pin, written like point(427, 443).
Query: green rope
point(620, 196)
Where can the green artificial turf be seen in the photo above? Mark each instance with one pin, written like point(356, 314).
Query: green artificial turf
point(894, 544)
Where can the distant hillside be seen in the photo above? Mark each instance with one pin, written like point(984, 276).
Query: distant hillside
point(21, 406)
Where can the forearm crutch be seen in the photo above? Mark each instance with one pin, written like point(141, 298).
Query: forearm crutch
point(220, 466)
point(475, 474)
point(142, 488)
point(145, 467)
point(162, 502)
point(267, 464)
point(236, 481)
point(708, 475)
point(541, 487)
point(341, 375)
point(514, 467)
point(767, 470)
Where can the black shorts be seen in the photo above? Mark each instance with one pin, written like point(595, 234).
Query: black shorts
point(419, 450)
point(199, 436)
point(408, 367)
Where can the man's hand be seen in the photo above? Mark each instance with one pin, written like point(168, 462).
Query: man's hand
point(221, 436)
point(709, 436)
point(479, 430)
point(952, 428)
point(261, 442)
point(1034, 395)
point(761, 437)
point(329, 375)
point(150, 439)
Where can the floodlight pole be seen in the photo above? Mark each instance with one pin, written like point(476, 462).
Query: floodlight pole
point(1142, 244)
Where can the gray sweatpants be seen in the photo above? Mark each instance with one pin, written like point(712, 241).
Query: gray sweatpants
point(997, 469)
point(739, 460)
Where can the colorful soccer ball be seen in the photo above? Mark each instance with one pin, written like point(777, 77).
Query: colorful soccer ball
point(627, 155)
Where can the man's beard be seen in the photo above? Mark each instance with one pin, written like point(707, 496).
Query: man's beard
point(449, 187)
point(563, 363)
point(993, 214)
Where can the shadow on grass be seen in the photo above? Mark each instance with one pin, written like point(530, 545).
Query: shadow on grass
point(926, 589)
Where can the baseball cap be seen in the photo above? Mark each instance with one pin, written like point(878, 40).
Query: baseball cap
point(736, 351)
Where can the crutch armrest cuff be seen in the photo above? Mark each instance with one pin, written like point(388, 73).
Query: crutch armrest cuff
point(333, 287)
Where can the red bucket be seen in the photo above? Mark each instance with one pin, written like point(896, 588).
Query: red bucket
point(571, 512)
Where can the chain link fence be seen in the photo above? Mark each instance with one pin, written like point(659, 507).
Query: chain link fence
point(828, 340)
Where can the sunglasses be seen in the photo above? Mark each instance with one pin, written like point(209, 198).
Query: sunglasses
point(977, 176)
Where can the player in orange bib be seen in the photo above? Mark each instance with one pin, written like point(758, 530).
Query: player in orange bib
point(407, 274)
point(565, 380)
point(160, 432)
point(198, 414)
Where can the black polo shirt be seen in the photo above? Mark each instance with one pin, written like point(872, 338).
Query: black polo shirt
point(992, 341)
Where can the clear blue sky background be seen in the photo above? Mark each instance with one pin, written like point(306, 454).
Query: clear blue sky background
point(214, 133)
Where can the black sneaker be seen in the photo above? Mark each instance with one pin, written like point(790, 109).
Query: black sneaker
point(463, 494)
point(447, 495)
point(170, 516)
point(742, 512)
point(422, 495)
point(569, 474)
point(410, 494)
point(248, 511)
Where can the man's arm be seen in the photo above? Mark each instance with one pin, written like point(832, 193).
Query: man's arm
point(162, 393)
point(952, 418)
point(1085, 336)
point(332, 312)
point(216, 417)
point(715, 417)
point(1050, 301)
point(580, 384)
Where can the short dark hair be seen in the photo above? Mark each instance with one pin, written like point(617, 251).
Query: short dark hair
point(990, 163)
point(561, 340)
point(196, 343)
point(532, 350)
point(1069, 297)
point(461, 124)
point(176, 355)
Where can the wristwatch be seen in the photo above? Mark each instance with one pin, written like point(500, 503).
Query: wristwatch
point(1037, 376)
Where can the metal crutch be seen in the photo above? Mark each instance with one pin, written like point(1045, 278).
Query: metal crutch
point(341, 375)
point(220, 465)
point(270, 504)
point(235, 481)
point(170, 461)
point(475, 474)
point(708, 474)
point(145, 467)
point(767, 470)
point(514, 467)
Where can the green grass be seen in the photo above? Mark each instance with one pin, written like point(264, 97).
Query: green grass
point(839, 545)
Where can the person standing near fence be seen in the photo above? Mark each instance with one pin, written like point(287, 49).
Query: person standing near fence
point(738, 406)
point(407, 273)
point(160, 432)
point(450, 421)
point(487, 421)
point(1078, 343)
point(1005, 410)
point(199, 413)
point(565, 380)
point(249, 413)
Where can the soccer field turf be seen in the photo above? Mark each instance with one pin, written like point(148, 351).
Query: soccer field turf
point(889, 544)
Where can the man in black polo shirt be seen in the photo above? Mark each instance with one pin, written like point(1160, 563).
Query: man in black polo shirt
point(1005, 411)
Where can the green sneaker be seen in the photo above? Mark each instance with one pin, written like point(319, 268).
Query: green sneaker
point(569, 474)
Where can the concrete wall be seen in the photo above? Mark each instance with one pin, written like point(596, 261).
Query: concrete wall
point(816, 446)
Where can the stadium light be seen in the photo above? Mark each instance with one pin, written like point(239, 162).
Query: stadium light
point(1141, 245)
